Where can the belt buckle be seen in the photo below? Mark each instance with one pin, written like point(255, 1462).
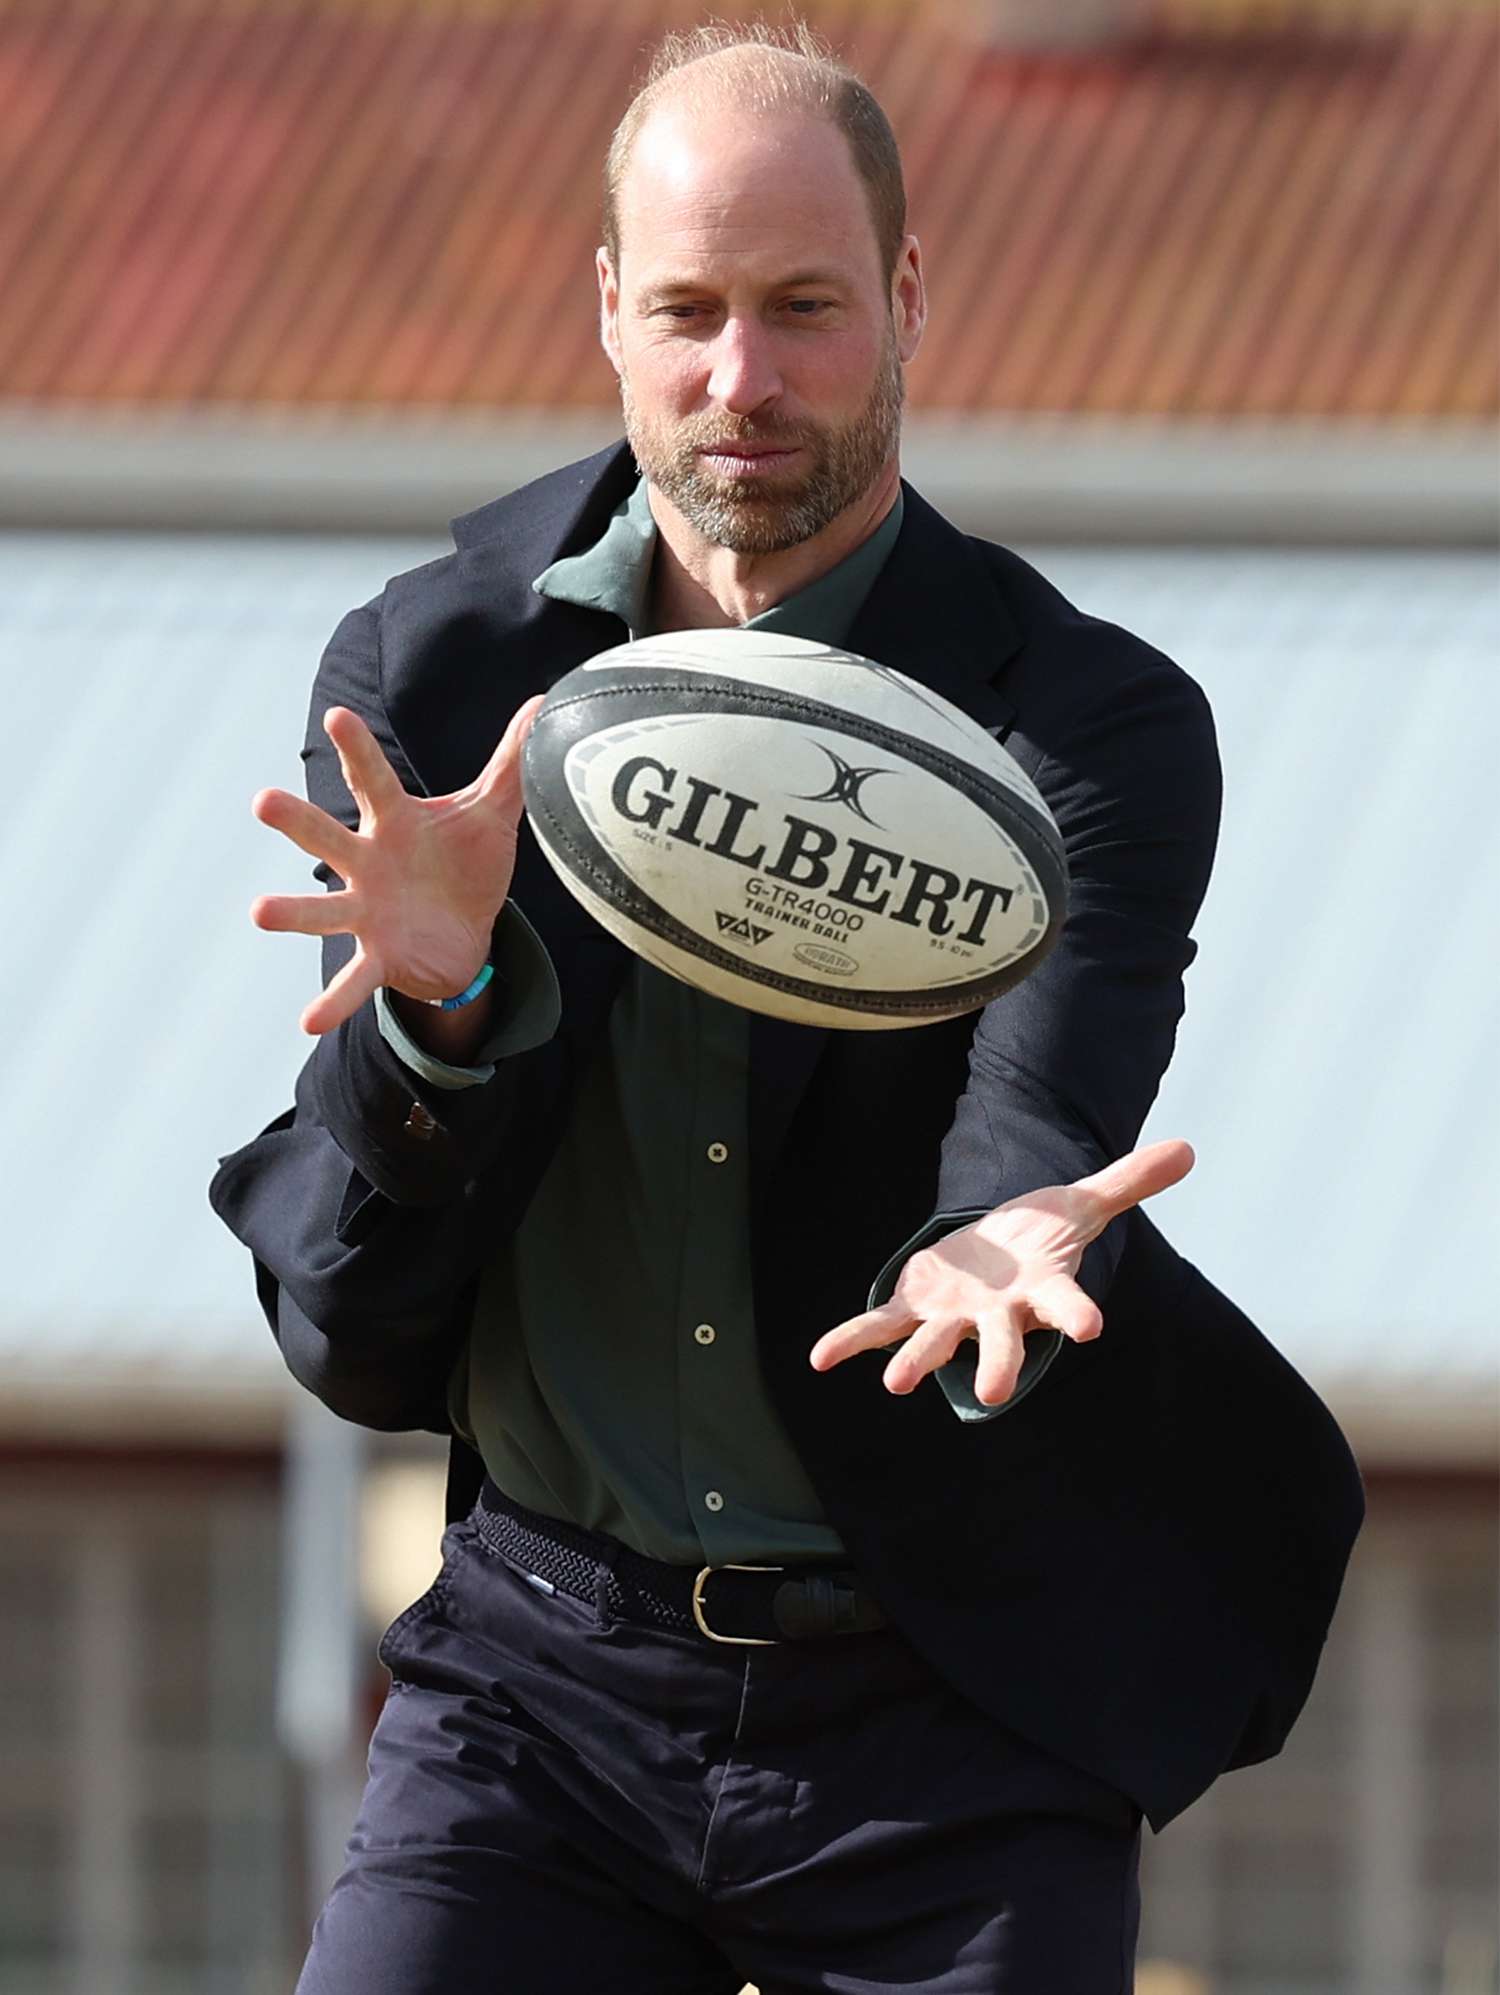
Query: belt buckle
point(739, 1641)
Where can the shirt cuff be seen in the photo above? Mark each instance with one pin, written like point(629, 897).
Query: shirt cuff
point(528, 1009)
point(957, 1377)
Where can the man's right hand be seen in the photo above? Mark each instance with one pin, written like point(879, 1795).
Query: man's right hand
point(425, 877)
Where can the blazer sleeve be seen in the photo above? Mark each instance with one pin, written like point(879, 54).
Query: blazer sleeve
point(1064, 1068)
point(361, 1205)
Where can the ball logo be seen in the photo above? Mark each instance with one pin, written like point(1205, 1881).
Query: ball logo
point(779, 872)
point(741, 928)
point(831, 962)
point(846, 786)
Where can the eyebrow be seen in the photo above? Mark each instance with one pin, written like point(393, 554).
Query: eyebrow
point(801, 280)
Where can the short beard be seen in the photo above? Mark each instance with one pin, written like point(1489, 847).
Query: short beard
point(845, 463)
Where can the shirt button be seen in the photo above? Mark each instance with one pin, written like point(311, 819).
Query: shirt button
point(705, 1333)
point(713, 1500)
point(717, 1152)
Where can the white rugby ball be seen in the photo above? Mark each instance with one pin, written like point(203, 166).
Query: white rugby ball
point(795, 829)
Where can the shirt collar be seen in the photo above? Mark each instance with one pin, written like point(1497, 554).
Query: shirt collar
point(615, 575)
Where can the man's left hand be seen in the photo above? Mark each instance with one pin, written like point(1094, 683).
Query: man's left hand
point(1005, 1274)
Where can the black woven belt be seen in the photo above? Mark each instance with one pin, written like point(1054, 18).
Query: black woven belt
point(746, 1604)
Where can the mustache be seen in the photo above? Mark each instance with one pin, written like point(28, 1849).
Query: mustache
point(715, 434)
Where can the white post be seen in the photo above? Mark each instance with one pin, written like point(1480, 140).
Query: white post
point(105, 1770)
point(1389, 1790)
point(321, 1670)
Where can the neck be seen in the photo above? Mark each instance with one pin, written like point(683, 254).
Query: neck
point(696, 585)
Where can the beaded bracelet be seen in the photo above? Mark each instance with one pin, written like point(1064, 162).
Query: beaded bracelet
point(480, 983)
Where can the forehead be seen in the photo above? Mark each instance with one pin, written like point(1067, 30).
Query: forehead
point(736, 188)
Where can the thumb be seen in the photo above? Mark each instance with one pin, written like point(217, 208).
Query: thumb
point(499, 781)
point(1139, 1175)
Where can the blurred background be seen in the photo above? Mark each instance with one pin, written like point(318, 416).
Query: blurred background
point(285, 284)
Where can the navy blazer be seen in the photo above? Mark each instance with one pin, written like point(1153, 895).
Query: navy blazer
point(1135, 1565)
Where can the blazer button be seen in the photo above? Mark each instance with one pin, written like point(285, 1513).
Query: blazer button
point(420, 1124)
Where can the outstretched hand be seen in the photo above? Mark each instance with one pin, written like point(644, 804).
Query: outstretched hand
point(1007, 1273)
point(425, 877)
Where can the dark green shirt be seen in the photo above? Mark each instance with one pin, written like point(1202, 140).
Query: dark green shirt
point(612, 1376)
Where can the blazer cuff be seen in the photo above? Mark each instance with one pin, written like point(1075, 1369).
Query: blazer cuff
point(957, 1377)
point(530, 1009)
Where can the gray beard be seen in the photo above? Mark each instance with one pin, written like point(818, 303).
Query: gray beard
point(845, 464)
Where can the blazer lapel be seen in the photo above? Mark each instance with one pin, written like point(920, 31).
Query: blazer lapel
point(937, 614)
point(466, 640)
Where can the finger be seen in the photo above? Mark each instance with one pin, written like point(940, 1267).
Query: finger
point(307, 914)
point(499, 781)
point(930, 1345)
point(1001, 1349)
point(355, 983)
point(1062, 1304)
point(1141, 1174)
point(868, 1331)
point(372, 782)
point(319, 835)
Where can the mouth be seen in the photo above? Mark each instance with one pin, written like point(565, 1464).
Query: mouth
point(747, 460)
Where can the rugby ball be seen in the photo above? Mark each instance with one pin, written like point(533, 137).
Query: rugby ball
point(794, 829)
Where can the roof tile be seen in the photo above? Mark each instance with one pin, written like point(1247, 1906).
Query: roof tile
point(1244, 212)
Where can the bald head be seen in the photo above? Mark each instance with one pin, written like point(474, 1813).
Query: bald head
point(771, 74)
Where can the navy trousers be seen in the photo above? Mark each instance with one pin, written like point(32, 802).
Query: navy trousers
point(559, 1804)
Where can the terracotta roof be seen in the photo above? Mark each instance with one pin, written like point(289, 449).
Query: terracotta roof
point(302, 202)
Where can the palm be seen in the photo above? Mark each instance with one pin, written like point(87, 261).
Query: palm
point(1013, 1251)
point(431, 878)
point(424, 877)
point(1008, 1273)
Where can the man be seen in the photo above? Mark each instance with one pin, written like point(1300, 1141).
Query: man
point(758, 1658)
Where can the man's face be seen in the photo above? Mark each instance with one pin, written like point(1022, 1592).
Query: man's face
point(758, 340)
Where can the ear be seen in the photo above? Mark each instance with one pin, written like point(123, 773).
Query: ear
point(909, 298)
point(609, 308)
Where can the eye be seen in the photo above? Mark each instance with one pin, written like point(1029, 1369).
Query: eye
point(806, 308)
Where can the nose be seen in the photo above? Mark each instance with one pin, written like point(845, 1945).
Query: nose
point(744, 376)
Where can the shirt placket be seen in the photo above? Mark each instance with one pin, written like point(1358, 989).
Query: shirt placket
point(714, 1345)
